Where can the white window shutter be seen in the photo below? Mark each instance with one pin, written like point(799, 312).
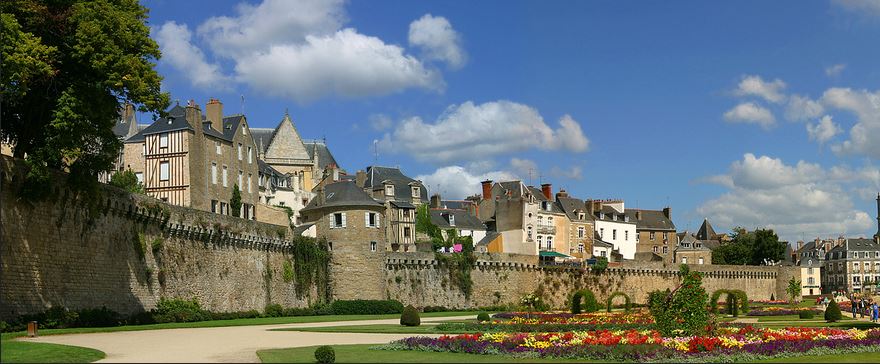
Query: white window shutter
point(378, 224)
point(332, 220)
point(343, 219)
point(366, 219)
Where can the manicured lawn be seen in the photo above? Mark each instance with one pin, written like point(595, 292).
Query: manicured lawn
point(791, 318)
point(843, 358)
point(379, 329)
point(363, 354)
point(27, 352)
point(841, 325)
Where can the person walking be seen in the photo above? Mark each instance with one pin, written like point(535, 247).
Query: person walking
point(854, 306)
point(875, 312)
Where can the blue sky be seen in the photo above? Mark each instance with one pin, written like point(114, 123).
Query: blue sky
point(750, 113)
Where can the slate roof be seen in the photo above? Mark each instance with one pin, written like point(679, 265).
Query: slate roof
point(692, 240)
point(515, 187)
point(456, 204)
point(299, 230)
point(861, 244)
point(539, 196)
point(490, 235)
point(262, 137)
point(463, 220)
point(176, 120)
point(651, 220)
point(570, 204)
point(403, 204)
point(343, 193)
point(602, 244)
point(607, 215)
point(325, 158)
point(377, 174)
point(706, 231)
point(124, 125)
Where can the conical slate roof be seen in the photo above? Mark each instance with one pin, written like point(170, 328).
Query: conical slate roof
point(706, 231)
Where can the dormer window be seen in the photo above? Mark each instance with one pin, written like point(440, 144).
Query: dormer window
point(601, 215)
point(581, 216)
point(451, 220)
point(415, 191)
point(626, 218)
point(614, 217)
point(389, 190)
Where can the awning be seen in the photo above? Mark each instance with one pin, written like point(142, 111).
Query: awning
point(554, 254)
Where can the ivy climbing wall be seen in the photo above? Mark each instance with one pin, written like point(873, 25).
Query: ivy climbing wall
point(126, 251)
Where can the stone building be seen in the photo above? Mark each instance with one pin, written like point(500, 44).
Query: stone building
point(613, 225)
point(580, 235)
point(852, 266)
point(655, 232)
point(456, 215)
point(690, 250)
point(510, 209)
point(552, 228)
point(401, 195)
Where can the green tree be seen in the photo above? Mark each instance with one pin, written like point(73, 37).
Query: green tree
point(767, 246)
point(600, 266)
point(235, 201)
point(67, 67)
point(128, 181)
point(793, 290)
point(682, 311)
point(750, 248)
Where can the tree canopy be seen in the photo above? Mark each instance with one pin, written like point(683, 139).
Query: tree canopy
point(750, 248)
point(67, 67)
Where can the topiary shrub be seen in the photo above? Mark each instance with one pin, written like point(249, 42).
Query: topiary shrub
point(483, 317)
point(683, 310)
point(732, 305)
point(627, 306)
point(325, 355)
point(806, 315)
point(410, 316)
point(179, 310)
point(584, 301)
point(832, 313)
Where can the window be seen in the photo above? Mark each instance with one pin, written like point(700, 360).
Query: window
point(214, 173)
point(665, 236)
point(603, 253)
point(415, 191)
point(250, 155)
point(371, 219)
point(163, 140)
point(581, 216)
point(529, 233)
point(140, 177)
point(700, 261)
point(540, 220)
point(665, 250)
point(239, 151)
point(225, 183)
point(540, 242)
point(407, 233)
point(656, 249)
point(580, 248)
point(144, 151)
point(549, 243)
point(249, 183)
point(223, 210)
point(330, 246)
point(651, 236)
point(337, 220)
point(626, 235)
point(214, 206)
point(240, 180)
point(614, 234)
point(580, 231)
point(373, 246)
point(684, 260)
point(811, 281)
point(637, 236)
point(602, 233)
point(163, 171)
point(389, 190)
point(217, 147)
point(451, 220)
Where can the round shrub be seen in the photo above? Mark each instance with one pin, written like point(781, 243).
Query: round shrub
point(410, 317)
point(832, 313)
point(325, 355)
point(483, 317)
point(806, 315)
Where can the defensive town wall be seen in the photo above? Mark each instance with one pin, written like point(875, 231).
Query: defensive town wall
point(125, 251)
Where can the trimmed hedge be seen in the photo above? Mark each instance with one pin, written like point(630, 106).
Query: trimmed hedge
point(365, 307)
point(584, 301)
point(832, 313)
point(740, 298)
point(483, 317)
point(806, 315)
point(627, 303)
point(410, 317)
point(325, 355)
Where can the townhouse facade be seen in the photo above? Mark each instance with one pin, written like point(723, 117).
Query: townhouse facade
point(655, 233)
point(458, 216)
point(580, 231)
point(510, 209)
point(690, 250)
point(852, 266)
point(400, 195)
point(552, 227)
point(613, 226)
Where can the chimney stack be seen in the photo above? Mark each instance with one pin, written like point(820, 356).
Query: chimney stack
point(214, 114)
point(487, 189)
point(547, 191)
point(193, 115)
point(667, 211)
point(360, 178)
point(128, 112)
point(561, 193)
point(435, 201)
point(639, 215)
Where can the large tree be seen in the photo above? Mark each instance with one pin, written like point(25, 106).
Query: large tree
point(750, 248)
point(67, 68)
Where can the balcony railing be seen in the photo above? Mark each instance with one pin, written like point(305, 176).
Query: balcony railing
point(546, 229)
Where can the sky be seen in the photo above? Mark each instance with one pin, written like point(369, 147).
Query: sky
point(760, 114)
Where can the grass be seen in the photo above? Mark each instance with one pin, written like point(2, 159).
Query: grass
point(363, 354)
point(792, 318)
point(379, 329)
point(28, 352)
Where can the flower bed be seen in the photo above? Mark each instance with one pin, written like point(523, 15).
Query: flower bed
point(649, 345)
point(781, 311)
point(769, 302)
point(594, 318)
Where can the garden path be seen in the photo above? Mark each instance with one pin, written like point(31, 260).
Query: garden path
point(219, 344)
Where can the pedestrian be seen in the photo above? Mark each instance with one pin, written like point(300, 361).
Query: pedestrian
point(876, 312)
point(862, 307)
point(854, 306)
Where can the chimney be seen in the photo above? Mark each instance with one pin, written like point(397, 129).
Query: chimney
point(214, 114)
point(547, 190)
point(360, 178)
point(561, 193)
point(487, 189)
point(321, 195)
point(435, 201)
point(128, 112)
point(193, 116)
point(667, 211)
point(639, 215)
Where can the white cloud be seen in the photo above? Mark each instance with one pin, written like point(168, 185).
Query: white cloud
point(524, 167)
point(865, 134)
point(256, 28)
point(346, 63)
point(574, 172)
point(835, 70)
point(863, 7)
point(438, 40)
point(175, 42)
point(802, 108)
point(299, 49)
point(756, 86)
point(456, 182)
point(380, 121)
point(471, 131)
point(765, 192)
point(750, 113)
point(824, 130)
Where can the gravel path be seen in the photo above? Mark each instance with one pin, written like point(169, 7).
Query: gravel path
point(219, 344)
